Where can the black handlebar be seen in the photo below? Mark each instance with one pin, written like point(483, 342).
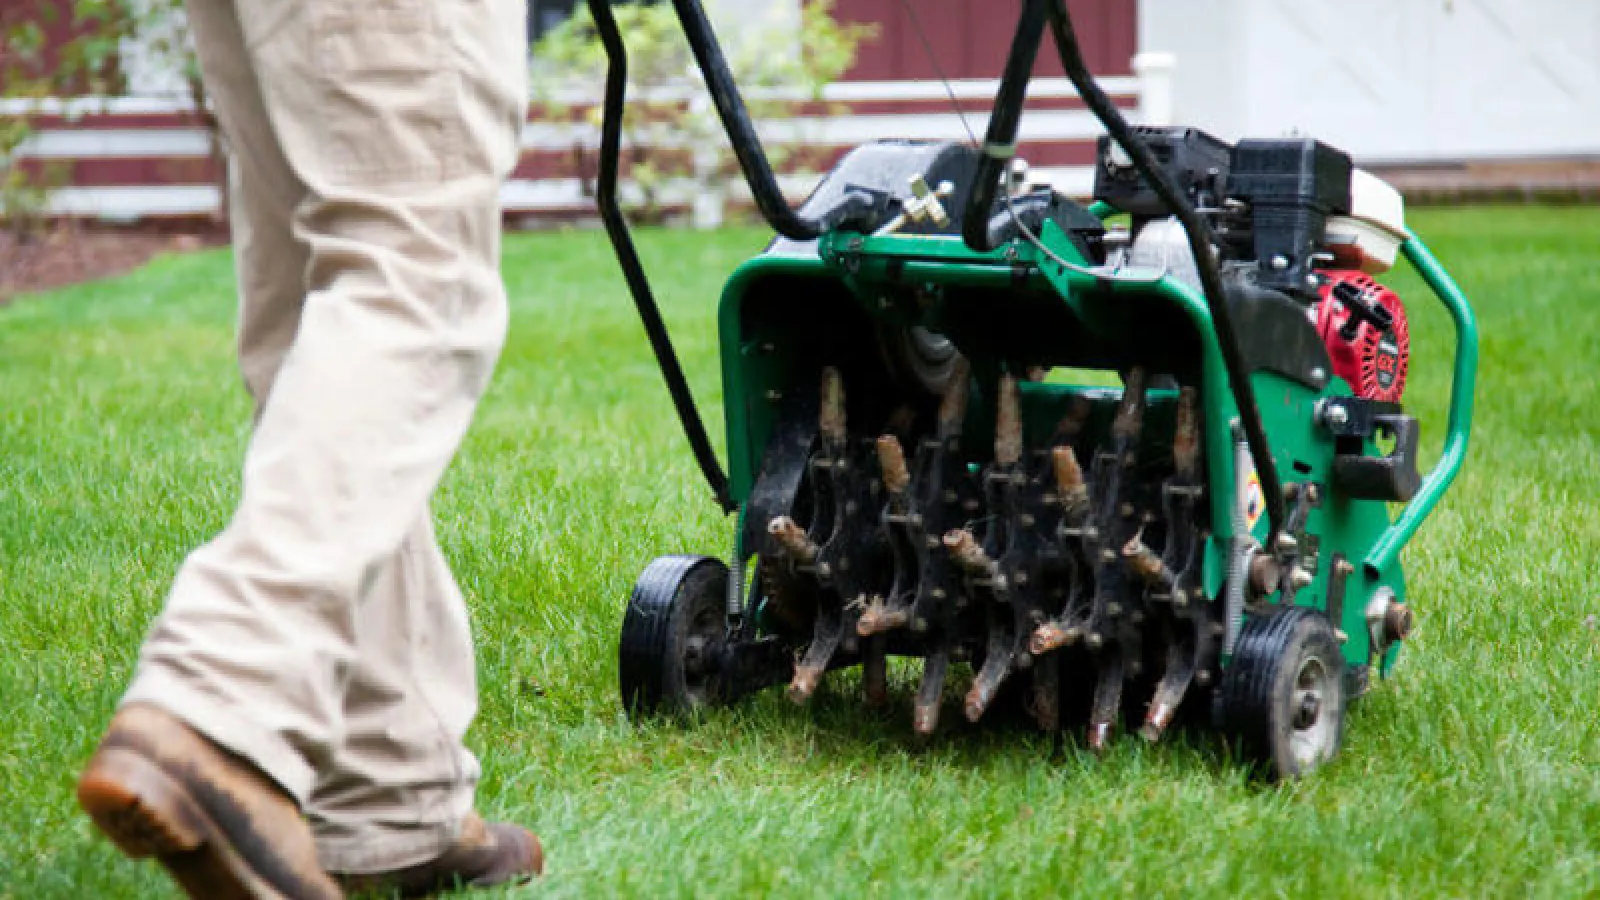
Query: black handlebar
point(1000, 142)
point(747, 144)
point(632, 269)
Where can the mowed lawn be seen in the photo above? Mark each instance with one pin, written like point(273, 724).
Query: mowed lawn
point(1473, 772)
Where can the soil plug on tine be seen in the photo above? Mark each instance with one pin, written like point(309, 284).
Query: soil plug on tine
point(892, 461)
point(1169, 692)
point(953, 405)
point(996, 666)
point(1186, 437)
point(1112, 636)
point(808, 673)
point(832, 419)
point(1008, 427)
point(1072, 491)
point(1053, 636)
point(794, 540)
point(1130, 413)
point(878, 618)
point(1147, 565)
point(964, 549)
point(1182, 626)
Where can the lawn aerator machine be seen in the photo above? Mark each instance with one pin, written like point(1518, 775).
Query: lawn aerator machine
point(918, 470)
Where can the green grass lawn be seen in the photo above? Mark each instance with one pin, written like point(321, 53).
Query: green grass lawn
point(1473, 772)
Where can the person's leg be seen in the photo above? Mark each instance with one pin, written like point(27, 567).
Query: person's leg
point(269, 261)
point(401, 782)
point(400, 771)
point(421, 106)
point(401, 127)
point(401, 119)
point(401, 787)
point(156, 785)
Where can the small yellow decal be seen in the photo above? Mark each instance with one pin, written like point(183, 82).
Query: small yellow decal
point(1255, 501)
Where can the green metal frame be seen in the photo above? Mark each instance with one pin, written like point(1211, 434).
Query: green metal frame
point(1463, 388)
point(1362, 529)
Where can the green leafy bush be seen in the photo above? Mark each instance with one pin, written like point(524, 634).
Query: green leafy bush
point(85, 64)
point(30, 69)
point(673, 144)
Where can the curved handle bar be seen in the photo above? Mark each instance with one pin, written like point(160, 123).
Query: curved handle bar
point(1463, 385)
point(655, 329)
point(746, 143)
point(1000, 141)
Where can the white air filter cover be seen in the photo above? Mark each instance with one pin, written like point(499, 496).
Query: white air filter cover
point(1370, 237)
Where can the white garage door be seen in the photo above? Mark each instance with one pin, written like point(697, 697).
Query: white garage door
point(1389, 79)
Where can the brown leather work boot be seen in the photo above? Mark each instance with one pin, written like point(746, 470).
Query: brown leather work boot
point(484, 855)
point(222, 829)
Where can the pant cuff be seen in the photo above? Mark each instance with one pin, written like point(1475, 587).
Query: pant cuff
point(264, 748)
point(367, 855)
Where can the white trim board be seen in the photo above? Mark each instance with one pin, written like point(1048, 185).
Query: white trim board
point(517, 196)
point(848, 131)
point(840, 91)
point(105, 143)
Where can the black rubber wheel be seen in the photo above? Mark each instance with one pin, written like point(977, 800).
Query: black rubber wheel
point(1283, 697)
point(672, 636)
point(919, 359)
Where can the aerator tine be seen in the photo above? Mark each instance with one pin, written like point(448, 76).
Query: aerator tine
point(1173, 578)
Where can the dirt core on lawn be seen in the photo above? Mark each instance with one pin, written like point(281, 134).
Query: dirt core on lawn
point(69, 253)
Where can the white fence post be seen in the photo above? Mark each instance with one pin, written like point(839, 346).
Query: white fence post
point(709, 204)
point(153, 55)
point(1155, 87)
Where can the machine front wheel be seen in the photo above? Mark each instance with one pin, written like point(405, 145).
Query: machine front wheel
point(1283, 695)
point(669, 655)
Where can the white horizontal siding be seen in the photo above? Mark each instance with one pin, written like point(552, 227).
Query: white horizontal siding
point(847, 130)
point(131, 203)
point(841, 91)
point(101, 143)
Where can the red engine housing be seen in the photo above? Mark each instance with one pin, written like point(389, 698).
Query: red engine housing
point(1372, 360)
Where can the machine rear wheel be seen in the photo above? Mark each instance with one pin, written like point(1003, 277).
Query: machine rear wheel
point(1283, 695)
point(672, 636)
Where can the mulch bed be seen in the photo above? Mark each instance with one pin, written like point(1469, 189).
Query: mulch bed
point(70, 252)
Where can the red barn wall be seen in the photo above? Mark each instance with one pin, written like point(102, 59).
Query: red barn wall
point(55, 19)
point(971, 37)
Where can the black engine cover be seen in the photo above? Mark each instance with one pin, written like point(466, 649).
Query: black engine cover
point(1292, 186)
point(886, 168)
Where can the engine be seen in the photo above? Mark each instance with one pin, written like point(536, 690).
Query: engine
point(1364, 327)
point(1292, 219)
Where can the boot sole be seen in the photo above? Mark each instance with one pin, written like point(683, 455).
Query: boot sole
point(148, 813)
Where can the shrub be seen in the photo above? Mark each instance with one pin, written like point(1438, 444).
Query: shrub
point(31, 69)
point(673, 144)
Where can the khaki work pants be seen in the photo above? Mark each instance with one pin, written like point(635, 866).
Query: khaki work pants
point(321, 635)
